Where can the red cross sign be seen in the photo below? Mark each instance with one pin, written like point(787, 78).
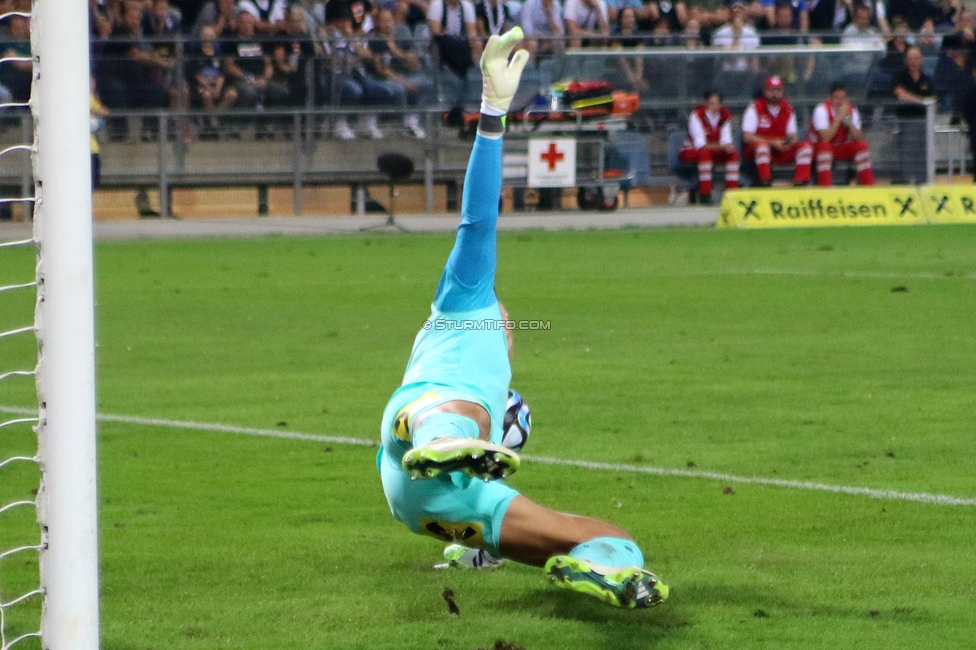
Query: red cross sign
point(552, 156)
point(552, 162)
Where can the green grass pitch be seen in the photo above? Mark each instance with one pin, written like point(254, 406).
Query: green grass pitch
point(842, 356)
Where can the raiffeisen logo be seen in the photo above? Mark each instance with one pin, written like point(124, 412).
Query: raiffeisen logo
point(820, 209)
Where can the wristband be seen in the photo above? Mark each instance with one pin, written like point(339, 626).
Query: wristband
point(491, 126)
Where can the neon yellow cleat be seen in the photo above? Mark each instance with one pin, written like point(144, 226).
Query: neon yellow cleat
point(476, 458)
point(626, 587)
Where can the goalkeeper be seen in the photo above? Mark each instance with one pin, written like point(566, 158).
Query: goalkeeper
point(444, 424)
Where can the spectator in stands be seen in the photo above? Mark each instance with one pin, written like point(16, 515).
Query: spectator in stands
point(912, 85)
point(692, 35)
point(289, 56)
point(860, 31)
point(218, 14)
point(791, 68)
point(586, 21)
point(132, 65)
point(913, 88)
point(782, 26)
point(952, 69)
point(99, 23)
point(395, 61)
point(737, 34)
point(945, 14)
point(614, 7)
point(709, 142)
point(15, 76)
point(736, 72)
point(967, 105)
point(540, 18)
point(270, 15)
point(626, 38)
point(836, 133)
point(917, 13)
point(349, 56)
point(799, 16)
point(674, 12)
point(247, 62)
point(452, 26)
point(770, 135)
point(413, 14)
point(205, 73)
point(163, 20)
point(827, 16)
point(495, 16)
point(855, 66)
point(960, 38)
point(360, 10)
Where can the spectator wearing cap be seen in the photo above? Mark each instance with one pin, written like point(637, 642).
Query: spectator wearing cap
point(586, 21)
point(836, 133)
point(770, 135)
point(709, 142)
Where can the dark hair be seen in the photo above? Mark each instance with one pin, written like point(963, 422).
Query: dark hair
point(709, 93)
point(860, 5)
point(835, 87)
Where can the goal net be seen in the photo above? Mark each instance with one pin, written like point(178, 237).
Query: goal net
point(48, 569)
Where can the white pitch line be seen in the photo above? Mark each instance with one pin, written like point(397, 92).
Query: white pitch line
point(889, 495)
point(874, 275)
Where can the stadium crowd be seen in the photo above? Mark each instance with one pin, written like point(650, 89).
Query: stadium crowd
point(218, 55)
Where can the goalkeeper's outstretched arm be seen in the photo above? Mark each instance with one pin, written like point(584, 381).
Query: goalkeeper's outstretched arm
point(468, 281)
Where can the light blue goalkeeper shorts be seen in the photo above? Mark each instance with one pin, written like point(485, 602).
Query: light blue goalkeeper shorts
point(451, 507)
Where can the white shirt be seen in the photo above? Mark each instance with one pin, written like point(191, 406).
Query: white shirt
point(750, 120)
point(277, 7)
point(585, 16)
point(453, 26)
point(534, 20)
point(725, 37)
point(867, 38)
point(821, 118)
point(697, 130)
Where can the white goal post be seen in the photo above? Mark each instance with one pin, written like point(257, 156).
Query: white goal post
point(66, 501)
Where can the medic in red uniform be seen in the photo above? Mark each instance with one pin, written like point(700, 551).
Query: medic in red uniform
point(709, 142)
point(836, 134)
point(769, 135)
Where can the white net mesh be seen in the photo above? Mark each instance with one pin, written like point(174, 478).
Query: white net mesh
point(20, 538)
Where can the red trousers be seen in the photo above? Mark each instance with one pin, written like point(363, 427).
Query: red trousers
point(799, 153)
point(858, 151)
point(705, 158)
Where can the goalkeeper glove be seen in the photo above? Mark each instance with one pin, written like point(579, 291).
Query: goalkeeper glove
point(501, 76)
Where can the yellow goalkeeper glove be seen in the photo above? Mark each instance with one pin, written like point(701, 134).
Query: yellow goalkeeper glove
point(501, 76)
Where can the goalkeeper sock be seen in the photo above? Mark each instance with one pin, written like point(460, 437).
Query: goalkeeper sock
point(443, 425)
point(609, 552)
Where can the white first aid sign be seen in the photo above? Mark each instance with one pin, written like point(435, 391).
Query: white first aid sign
point(552, 162)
